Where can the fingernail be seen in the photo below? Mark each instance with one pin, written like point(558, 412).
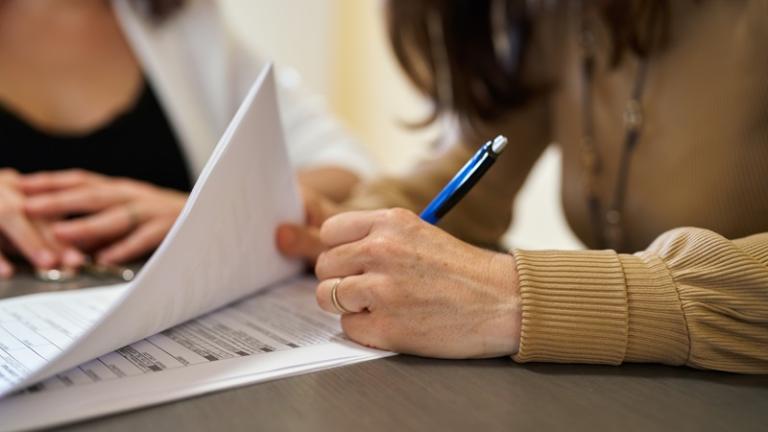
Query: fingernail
point(288, 236)
point(72, 258)
point(45, 258)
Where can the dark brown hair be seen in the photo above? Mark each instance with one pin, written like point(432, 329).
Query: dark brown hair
point(484, 85)
point(159, 10)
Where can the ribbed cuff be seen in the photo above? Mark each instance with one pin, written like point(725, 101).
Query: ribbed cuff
point(657, 329)
point(598, 307)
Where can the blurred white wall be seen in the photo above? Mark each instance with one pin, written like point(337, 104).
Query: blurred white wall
point(290, 32)
point(340, 49)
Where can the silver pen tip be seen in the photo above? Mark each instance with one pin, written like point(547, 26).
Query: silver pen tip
point(499, 144)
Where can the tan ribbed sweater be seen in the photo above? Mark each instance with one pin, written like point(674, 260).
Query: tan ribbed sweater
point(695, 296)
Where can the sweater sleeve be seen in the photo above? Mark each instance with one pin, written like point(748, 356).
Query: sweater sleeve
point(692, 298)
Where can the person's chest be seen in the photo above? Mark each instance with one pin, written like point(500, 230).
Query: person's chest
point(702, 156)
point(66, 75)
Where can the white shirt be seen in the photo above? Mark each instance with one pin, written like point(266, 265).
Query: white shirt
point(201, 73)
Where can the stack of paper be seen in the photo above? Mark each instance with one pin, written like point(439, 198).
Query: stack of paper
point(220, 250)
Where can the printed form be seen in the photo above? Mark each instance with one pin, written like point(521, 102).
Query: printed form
point(34, 329)
point(278, 332)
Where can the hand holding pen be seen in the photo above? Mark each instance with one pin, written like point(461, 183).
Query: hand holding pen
point(304, 242)
point(404, 285)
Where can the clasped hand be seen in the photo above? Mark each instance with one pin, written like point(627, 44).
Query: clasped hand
point(51, 218)
point(409, 286)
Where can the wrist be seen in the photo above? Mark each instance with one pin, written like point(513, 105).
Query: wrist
point(504, 334)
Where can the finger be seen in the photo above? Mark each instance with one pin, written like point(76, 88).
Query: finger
point(55, 180)
point(362, 328)
point(345, 260)
point(111, 223)
point(6, 269)
point(348, 227)
point(28, 241)
point(84, 199)
point(296, 241)
point(9, 176)
point(69, 256)
point(72, 258)
point(317, 208)
point(138, 243)
point(352, 294)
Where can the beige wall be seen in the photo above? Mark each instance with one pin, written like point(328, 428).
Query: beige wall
point(340, 48)
point(369, 90)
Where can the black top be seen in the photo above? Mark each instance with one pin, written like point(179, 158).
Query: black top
point(138, 143)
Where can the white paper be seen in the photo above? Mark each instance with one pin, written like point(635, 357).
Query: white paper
point(36, 328)
point(220, 249)
point(276, 333)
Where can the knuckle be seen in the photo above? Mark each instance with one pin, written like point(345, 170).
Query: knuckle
point(51, 202)
point(119, 182)
point(8, 174)
point(381, 246)
point(396, 219)
point(130, 185)
point(399, 215)
point(368, 248)
point(78, 174)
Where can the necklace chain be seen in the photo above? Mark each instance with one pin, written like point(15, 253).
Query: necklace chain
point(607, 224)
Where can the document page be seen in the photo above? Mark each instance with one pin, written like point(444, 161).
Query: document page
point(34, 329)
point(276, 333)
point(220, 249)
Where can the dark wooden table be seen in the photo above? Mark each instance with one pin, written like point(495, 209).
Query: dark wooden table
point(414, 394)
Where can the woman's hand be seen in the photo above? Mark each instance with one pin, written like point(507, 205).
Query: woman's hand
point(32, 238)
point(123, 218)
point(412, 288)
point(303, 241)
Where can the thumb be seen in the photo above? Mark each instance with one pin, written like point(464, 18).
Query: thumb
point(297, 241)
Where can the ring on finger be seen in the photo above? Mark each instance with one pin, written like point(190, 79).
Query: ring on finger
point(335, 298)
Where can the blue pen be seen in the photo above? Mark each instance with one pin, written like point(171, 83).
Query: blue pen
point(464, 180)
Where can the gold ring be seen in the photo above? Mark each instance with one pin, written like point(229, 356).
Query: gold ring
point(335, 298)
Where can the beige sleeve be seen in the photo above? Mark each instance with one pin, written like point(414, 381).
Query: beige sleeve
point(485, 213)
point(692, 298)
